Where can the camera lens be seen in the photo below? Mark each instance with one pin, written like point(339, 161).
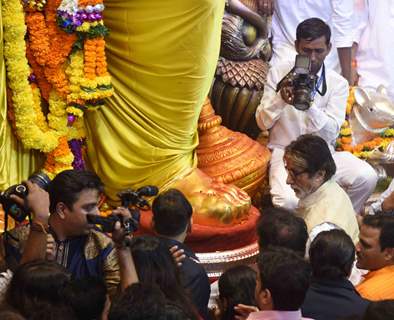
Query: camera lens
point(41, 179)
point(302, 100)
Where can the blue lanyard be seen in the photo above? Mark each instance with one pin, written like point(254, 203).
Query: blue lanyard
point(318, 84)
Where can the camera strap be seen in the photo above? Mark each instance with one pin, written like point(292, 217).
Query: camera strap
point(320, 80)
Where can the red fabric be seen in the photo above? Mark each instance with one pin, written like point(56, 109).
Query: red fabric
point(210, 239)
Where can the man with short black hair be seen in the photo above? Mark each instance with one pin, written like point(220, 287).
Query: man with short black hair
point(282, 228)
point(375, 252)
point(278, 114)
point(61, 215)
point(172, 221)
point(282, 282)
point(331, 295)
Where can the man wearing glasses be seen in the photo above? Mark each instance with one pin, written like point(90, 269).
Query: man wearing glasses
point(278, 113)
point(323, 203)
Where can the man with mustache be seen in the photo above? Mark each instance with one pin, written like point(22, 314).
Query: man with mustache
point(324, 117)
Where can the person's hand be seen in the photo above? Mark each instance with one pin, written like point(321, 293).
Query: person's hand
point(178, 255)
point(388, 203)
point(242, 311)
point(50, 251)
point(287, 91)
point(266, 7)
point(37, 201)
point(119, 234)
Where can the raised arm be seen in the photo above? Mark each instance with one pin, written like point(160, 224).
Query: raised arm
point(38, 202)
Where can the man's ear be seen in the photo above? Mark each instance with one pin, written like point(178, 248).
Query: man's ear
point(152, 224)
point(320, 174)
point(265, 300)
point(61, 210)
point(389, 254)
point(296, 45)
point(329, 47)
point(189, 226)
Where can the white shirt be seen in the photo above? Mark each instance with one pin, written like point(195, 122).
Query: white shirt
point(375, 63)
point(324, 118)
point(336, 13)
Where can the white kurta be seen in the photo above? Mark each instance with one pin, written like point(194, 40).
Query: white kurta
point(289, 13)
point(324, 119)
point(375, 55)
point(329, 204)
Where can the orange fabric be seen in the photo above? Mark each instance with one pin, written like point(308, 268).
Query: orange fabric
point(378, 285)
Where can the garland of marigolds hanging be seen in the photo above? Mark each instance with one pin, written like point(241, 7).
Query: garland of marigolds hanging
point(55, 56)
point(365, 149)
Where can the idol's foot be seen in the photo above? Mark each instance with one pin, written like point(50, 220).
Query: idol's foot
point(214, 203)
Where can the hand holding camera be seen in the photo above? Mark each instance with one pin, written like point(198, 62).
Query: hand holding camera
point(286, 91)
point(124, 220)
point(34, 199)
point(298, 87)
point(20, 199)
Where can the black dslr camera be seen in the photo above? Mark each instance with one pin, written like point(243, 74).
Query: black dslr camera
point(134, 201)
point(303, 82)
point(13, 209)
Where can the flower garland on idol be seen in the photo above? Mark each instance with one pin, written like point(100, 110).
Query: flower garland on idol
point(55, 60)
point(362, 150)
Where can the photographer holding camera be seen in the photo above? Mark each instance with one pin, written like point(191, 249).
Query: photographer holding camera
point(296, 103)
point(62, 214)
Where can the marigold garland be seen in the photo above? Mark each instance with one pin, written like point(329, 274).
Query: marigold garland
point(18, 72)
point(365, 149)
point(68, 86)
point(38, 71)
point(38, 36)
point(59, 159)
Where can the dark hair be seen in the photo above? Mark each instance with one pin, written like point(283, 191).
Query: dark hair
point(282, 228)
point(384, 222)
point(9, 314)
point(315, 152)
point(174, 312)
point(154, 264)
point(331, 255)
point(68, 184)
point(86, 297)
point(286, 275)
point(380, 310)
point(312, 29)
point(36, 286)
point(237, 285)
point(138, 301)
point(171, 213)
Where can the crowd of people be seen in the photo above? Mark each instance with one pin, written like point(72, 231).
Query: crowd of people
point(320, 257)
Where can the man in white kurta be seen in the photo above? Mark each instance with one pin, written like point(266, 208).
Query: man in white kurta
point(336, 13)
point(375, 38)
point(324, 118)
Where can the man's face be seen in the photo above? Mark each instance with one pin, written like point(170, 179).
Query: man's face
point(75, 218)
point(368, 250)
point(316, 50)
point(301, 181)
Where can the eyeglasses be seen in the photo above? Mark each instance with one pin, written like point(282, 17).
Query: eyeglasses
point(294, 174)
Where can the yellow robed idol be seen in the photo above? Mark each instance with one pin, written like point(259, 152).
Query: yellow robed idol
point(162, 57)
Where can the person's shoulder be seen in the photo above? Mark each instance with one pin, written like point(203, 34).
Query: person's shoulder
point(335, 78)
point(99, 239)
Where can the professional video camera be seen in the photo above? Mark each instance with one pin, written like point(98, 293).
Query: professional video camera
point(302, 81)
point(11, 208)
point(134, 201)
